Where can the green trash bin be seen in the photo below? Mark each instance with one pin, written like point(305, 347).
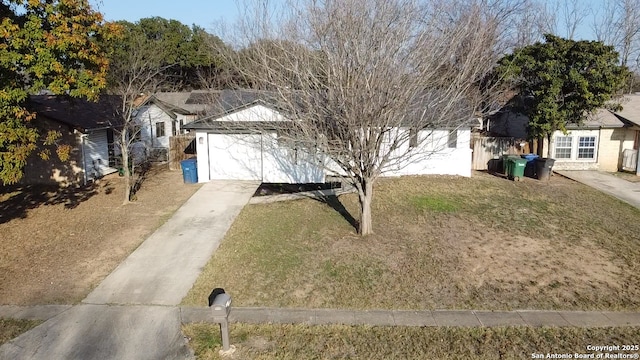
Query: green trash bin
point(515, 168)
point(507, 164)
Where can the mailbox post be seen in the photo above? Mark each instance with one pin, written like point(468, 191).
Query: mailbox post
point(220, 304)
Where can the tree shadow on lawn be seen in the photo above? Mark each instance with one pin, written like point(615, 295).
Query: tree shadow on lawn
point(335, 204)
point(22, 198)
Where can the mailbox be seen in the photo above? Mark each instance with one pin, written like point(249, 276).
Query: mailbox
point(220, 304)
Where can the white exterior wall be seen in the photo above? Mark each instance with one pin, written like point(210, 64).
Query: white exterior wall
point(183, 119)
point(202, 151)
point(432, 156)
point(263, 157)
point(95, 150)
point(254, 113)
point(147, 118)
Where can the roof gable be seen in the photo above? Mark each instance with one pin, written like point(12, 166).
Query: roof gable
point(256, 115)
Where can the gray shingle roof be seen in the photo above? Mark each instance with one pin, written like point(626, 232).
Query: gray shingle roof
point(630, 109)
point(79, 114)
point(179, 102)
point(602, 118)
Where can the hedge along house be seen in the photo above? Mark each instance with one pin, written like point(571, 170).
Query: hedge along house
point(87, 127)
point(599, 143)
point(241, 142)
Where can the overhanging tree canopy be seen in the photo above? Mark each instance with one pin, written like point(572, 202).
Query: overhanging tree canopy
point(562, 81)
point(46, 45)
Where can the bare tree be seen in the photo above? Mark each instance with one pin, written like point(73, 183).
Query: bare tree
point(574, 13)
point(134, 72)
point(618, 24)
point(360, 78)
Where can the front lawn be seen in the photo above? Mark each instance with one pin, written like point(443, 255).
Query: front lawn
point(365, 342)
point(440, 243)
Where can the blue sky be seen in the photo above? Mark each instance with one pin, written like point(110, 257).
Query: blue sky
point(208, 13)
point(200, 12)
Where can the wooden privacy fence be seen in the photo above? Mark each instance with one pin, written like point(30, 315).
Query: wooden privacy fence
point(487, 150)
point(181, 147)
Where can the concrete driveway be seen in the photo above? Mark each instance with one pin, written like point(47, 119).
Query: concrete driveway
point(132, 314)
point(624, 190)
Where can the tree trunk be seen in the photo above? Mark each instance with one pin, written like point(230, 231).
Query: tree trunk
point(365, 193)
point(549, 145)
point(124, 150)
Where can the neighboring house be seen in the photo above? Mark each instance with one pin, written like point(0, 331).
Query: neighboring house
point(85, 126)
point(598, 144)
point(162, 115)
point(241, 142)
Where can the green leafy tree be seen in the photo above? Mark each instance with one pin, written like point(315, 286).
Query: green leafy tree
point(562, 81)
point(190, 52)
point(48, 45)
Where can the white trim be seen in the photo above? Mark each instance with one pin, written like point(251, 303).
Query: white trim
point(575, 146)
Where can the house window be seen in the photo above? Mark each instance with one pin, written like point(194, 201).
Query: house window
point(563, 147)
point(586, 147)
point(160, 129)
point(453, 139)
point(413, 137)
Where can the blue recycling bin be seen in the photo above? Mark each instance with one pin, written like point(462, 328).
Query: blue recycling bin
point(530, 168)
point(189, 171)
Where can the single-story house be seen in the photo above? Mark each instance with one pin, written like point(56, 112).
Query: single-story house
point(85, 126)
point(600, 143)
point(241, 142)
point(163, 114)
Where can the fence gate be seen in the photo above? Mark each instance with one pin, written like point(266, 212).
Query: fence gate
point(181, 147)
point(488, 149)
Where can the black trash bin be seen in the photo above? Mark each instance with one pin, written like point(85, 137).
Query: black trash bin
point(543, 168)
point(530, 169)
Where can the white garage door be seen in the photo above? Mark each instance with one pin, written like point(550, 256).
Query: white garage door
point(235, 157)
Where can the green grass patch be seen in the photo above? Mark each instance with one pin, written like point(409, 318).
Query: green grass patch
point(365, 342)
point(11, 328)
point(435, 204)
point(439, 242)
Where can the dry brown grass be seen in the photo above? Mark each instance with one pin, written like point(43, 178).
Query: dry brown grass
point(364, 342)
point(439, 243)
point(58, 245)
point(10, 328)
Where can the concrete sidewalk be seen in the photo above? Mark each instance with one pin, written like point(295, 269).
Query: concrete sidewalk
point(104, 332)
point(159, 273)
point(458, 318)
point(624, 190)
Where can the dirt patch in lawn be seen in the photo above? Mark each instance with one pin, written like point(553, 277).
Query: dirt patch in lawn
point(58, 245)
point(520, 258)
